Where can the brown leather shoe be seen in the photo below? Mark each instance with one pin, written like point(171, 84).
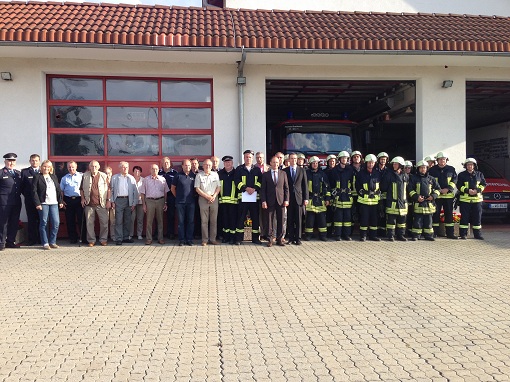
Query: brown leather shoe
point(92, 244)
point(148, 242)
point(161, 242)
point(281, 243)
point(204, 244)
point(214, 243)
point(270, 243)
point(104, 243)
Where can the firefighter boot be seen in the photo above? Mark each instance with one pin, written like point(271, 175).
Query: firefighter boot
point(390, 234)
point(463, 233)
point(450, 233)
point(372, 236)
point(477, 233)
point(400, 234)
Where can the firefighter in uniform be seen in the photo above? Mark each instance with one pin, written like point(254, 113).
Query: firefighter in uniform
point(10, 202)
point(248, 179)
point(446, 177)
point(357, 165)
point(382, 167)
point(228, 200)
point(341, 187)
point(423, 190)
point(367, 187)
point(471, 184)
point(408, 168)
point(394, 184)
point(318, 186)
point(330, 165)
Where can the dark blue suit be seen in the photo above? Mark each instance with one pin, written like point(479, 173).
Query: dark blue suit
point(10, 205)
point(27, 176)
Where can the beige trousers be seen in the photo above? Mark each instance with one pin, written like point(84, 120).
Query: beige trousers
point(209, 219)
point(154, 209)
point(90, 217)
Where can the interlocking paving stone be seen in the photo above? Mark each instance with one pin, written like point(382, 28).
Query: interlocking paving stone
point(318, 312)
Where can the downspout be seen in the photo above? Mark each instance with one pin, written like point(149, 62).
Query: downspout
point(241, 81)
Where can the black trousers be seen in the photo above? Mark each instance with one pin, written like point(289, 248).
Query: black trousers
point(33, 222)
point(170, 215)
point(9, 218)
point(74, 217)
point(242, 211)
point(228, 216)
point(422, 224)
point(470, 213)
point(447, 206)
point(294, 221)
point(313, 218)
point(395, 224)
point(368, 217)
point(342, 222)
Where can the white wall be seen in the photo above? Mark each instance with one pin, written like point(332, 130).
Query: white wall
point(474, 7)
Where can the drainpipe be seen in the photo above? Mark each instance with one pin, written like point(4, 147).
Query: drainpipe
point(241, 81)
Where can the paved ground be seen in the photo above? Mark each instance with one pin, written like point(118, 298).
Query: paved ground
point(319, 312)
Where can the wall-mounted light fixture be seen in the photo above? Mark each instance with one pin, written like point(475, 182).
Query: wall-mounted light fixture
point(447, 84)
point(6, 76)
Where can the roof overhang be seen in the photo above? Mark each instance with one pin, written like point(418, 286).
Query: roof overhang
point(300, 57)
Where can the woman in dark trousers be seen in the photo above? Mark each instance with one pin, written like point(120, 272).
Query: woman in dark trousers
point(47, 199)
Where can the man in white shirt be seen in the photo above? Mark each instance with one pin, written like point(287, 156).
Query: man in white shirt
point(207, 186)
point(124, 199)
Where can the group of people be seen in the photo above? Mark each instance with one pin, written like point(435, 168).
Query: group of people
point(285, 201)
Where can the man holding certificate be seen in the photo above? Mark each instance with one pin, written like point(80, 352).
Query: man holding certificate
point(247, 179)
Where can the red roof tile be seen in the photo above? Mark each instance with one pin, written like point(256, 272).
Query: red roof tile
point(226, 28)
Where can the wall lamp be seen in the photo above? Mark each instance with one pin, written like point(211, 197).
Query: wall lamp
point(6, 76)
point(447, 84)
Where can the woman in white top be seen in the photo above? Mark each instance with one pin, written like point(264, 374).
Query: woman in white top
point(47, 199)
point(137, 214)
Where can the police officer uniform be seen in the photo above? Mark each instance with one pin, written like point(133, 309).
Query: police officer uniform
point(170, 202)
point(10, 203)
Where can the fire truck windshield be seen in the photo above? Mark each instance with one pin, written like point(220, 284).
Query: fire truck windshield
point(317, 143)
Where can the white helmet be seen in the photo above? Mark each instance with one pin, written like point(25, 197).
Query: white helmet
point(356, 152)
point(398, 160)
point(383, 154)
point(441, 154)
point(343, 154)
point(370, 158)
point(469, 160)
point(313, 159)
point(422, 163)
point(332, 156)
point(408, 163)
point(430, 158)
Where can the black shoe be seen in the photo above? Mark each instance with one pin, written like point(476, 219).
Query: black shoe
point(324, 238)
point(118, 242)
point(232, 241)
point(11, 245)
point(391, 238)
point(453, 237)
point(375, 238)
point(238, 242)
point(2, 248)
point(181, 243)
point(298, 242)
point(306, 238)
point(479, 237)
point(73, 241)
point(463, 238)
point(414, 238)
point(189, 243)
point(346, 238)
point(401, 238)
point(363, 238)
point(224, 240)
point(256, 241)
point(338, 238)
point(31, 243)
point(171, 236)
point(128, 241)
point(430, 238)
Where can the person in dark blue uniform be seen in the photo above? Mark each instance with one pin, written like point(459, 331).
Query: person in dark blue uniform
point(27, 176)
point(10, 202)
point(167, 172)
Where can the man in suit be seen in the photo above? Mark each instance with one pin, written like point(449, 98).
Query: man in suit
point(10, 202)
point(298, 186)
point(124, 197)
point(27, 176)
point(274, 195)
